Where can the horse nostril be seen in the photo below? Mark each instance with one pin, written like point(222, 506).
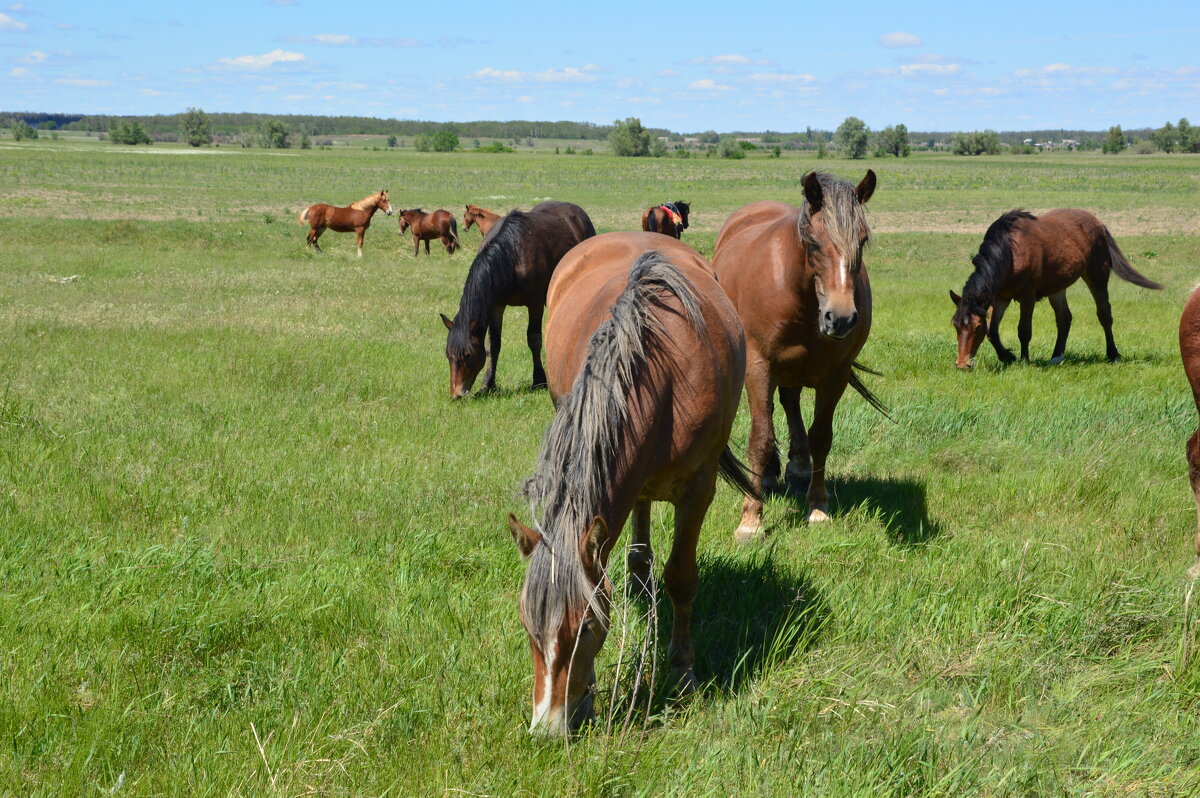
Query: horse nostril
point(853, 320)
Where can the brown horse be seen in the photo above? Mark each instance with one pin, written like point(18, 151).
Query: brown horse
point(480, 216)
point(1027, 258)
point(645, 357)
point(670, 218)
point(428, 226)
point(798, 282)
point(356, 217)
point(1189, 348)
point(513, 267)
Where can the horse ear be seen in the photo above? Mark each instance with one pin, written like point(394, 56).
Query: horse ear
point(812, 192)
point(593, 541)
point(525, 538)
point(866, 187)
point(955, 298)
point(448, 322)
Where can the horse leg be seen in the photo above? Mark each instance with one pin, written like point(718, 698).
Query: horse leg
point(495, 327)
point(314, 234)
point(761, 451)
point(679, 575)
point(1062, 319)
point(641, 556)
point(360, 231)
point(820, 439)
point(533, 337)
point(416, 245)
point(1098, 285)
point(799, 468)
point(427, 247)
point(993, 332)
point(1025, 327)
point(1193, 453)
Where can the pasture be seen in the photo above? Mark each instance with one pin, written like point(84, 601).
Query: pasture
point(250, 546)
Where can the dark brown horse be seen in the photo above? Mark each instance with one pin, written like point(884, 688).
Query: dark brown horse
point(670, 218)
point(513, 267)
point(356, 217)
point(645, 356)
point(1189, 348)
point(480, 216)
point(797, 279)
point(1027, 258)
point(428, 226)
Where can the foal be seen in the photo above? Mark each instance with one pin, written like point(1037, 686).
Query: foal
point(356, 217)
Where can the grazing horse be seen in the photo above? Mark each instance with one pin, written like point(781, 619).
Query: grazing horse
point(1027, 258)
point(480, 216)
point(428, 226)
point(1189, 348)
point(645, 356)
point(796, 277)
point(356, 217)
point(670, 218)
point(513, 267)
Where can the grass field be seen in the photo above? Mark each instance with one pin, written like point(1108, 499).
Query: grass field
point(251, 547)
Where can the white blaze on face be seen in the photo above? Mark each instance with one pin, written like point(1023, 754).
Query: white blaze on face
point(541, 709)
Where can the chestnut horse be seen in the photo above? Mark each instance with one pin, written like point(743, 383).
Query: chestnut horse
point(1027, 258)
point(356, 217)
point(513, 267)
point(428, 226)
point(798, 282)
point(1189, 348)
point(480, 216)
point(645, 356)
point(670, 218)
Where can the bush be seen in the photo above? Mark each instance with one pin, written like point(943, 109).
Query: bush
point(658, 149)
point(629, 139)
point(1115, 141)
point(423, 142)
point(1144, 147)
point(123, 132)
point(196, 127)
point(978, 142)
point(730, 148)
point(852, 136)
point(444, 141)
point(496, 146)
point(683, 153)
point(391, 142)
point(21, 130)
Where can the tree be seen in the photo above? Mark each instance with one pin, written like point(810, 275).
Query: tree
point(893, 140)
point(275, 135)
point(1189, 136)
point(444, 141)
point(821, 150)
point(1166, 138)
point(1115, 142)
point(658, 149)
point(22, 130)
point(709, 137)
point(391, 142)
point(629, 138)
point(730, 147)
point(423, 142)
point(305, 143)
point(124, 132)
point(196, 127)
point(852, 136)
point(977, 142)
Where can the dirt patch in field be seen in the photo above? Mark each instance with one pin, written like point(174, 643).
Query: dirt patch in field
point(1127, 222)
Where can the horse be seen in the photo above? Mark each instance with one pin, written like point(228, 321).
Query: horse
point(513, 267)
point(645, 356)
point(480, 216)
point(797, 279)
point(356, 217)
point(428, 226)
point(1027, 258)
point(1189, 349)
point(670, 218)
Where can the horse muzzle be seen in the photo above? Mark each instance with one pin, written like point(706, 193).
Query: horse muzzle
point(837, 326)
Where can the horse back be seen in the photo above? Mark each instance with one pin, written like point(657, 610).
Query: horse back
point(1052, 251)
point(1189, 342)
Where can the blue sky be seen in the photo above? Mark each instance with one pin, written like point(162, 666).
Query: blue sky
point(687, 66)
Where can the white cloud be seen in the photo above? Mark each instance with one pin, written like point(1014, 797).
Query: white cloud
point(19, 72)
point(667, 73)
point(727, 60)
point(524, 98)
point(899, 39)
point(1059, 68)
point(35, 57)
point(87, 83)
point(7, 23)
point(264, 61)
point(564, 75)
point(626, 83)
point(346, 40)
point(707, 84)
point(782, 77)
point(154, 93)
point(916, 70)
point(334, 39)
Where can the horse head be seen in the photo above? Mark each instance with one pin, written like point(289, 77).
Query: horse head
point(383, 203)
point(409, 219)
point(469, 217)
point(970, 322)
point(834, 230)
point(564, 609)
point(683, 208)
point(464, 350)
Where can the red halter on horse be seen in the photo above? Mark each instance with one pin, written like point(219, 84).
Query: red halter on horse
point(670, 218)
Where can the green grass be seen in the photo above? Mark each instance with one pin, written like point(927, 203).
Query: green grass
point(251, 547)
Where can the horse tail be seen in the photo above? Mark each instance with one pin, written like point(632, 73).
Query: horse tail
point(857, 384)
point(304, 216)
point(652, 221)
point(456, 245)
point(1122, 267)
point(735, 472)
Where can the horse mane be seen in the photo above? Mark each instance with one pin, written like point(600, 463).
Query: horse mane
point(841, 211)
point(365, 203)
point(492, 272)
point(580, 449)
point(993, 263)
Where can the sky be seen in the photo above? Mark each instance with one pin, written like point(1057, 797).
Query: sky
point(685, 66)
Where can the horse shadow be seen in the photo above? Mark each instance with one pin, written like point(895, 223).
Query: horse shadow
point(899, 504)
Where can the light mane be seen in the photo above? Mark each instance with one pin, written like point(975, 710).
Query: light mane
point(844, 217)
point(366, 203)
point(579, 452)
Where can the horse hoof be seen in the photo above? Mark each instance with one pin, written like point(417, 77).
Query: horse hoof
point(1057, 360)
point(686, 680)
point(817, 516)
point(748, 531)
